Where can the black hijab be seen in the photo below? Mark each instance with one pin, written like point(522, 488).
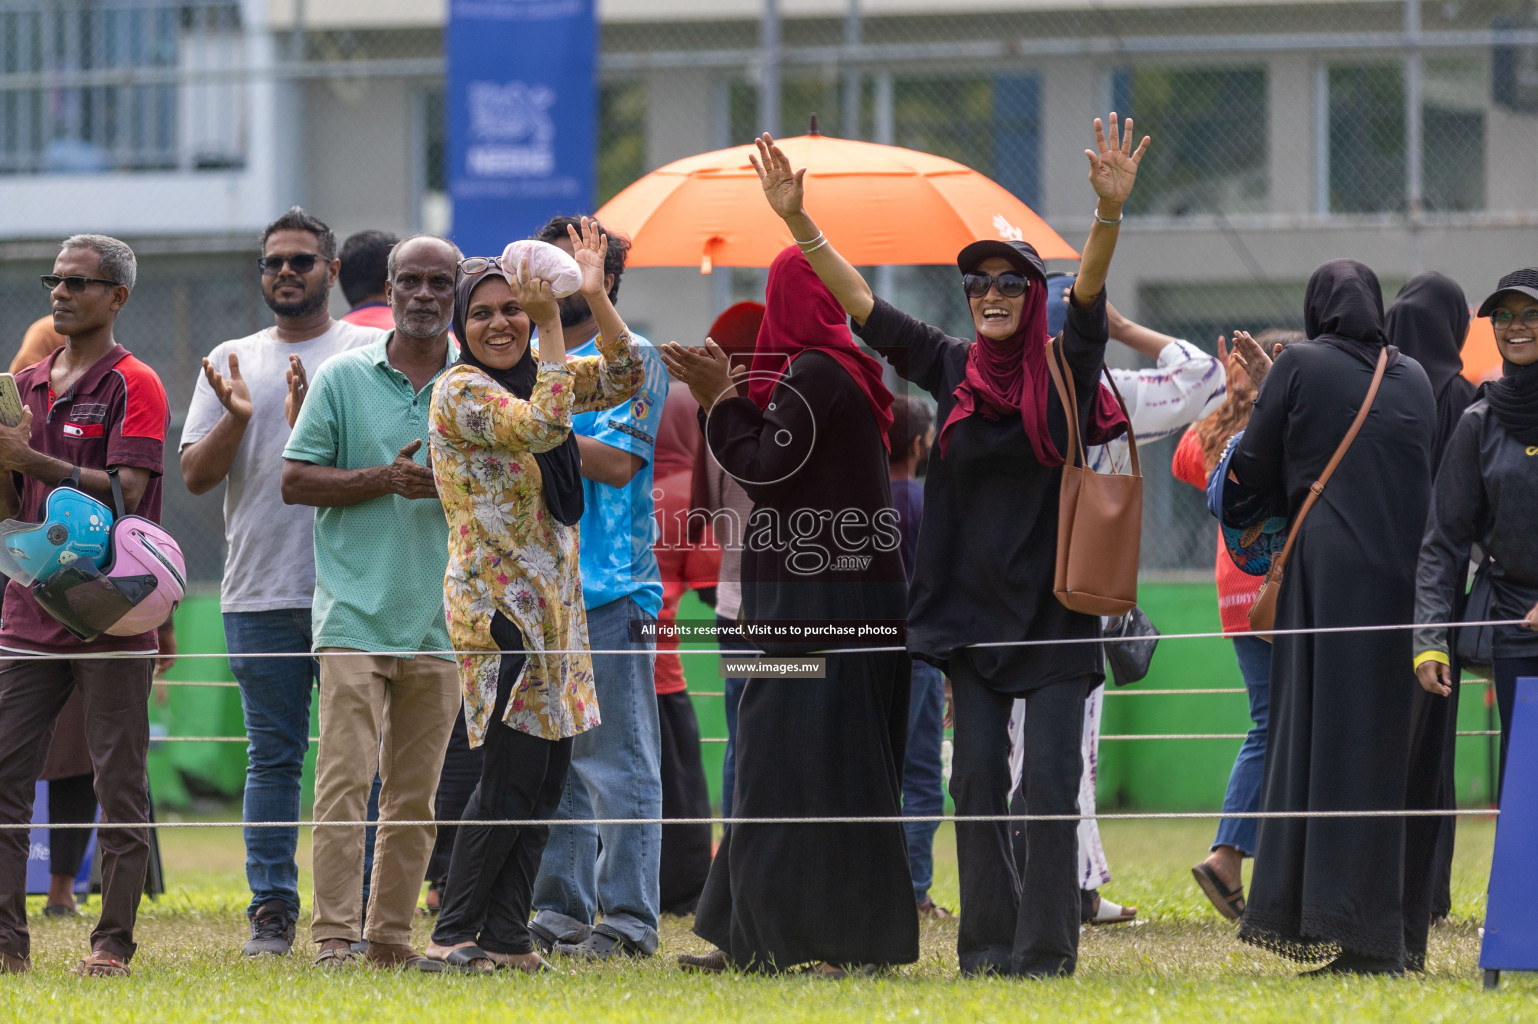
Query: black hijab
point(1428, 322)
point(1343, 306)
point(561, 467)
point(1514, 400)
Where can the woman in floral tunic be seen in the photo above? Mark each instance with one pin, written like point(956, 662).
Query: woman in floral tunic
point(509, 475)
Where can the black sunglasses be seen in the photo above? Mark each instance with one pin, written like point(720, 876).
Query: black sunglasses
point(1012, 284)
point(75, 283)
point(1502, 318)
point(301, 262)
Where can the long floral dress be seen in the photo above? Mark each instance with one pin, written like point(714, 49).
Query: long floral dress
point(506, 552)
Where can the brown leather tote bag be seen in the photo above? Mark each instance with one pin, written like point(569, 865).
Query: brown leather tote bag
point(1263, 611)
point(1099, 516)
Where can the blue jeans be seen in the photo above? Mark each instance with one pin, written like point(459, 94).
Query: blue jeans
point(1244, 781)
point(616, 772)
point(733, 689)
point(275, 700)
point(923, 790)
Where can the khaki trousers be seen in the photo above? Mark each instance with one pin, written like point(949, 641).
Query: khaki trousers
point(393, 715)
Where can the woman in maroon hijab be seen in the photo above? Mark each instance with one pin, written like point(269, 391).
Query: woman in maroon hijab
point(985, 559)
point(806, 438)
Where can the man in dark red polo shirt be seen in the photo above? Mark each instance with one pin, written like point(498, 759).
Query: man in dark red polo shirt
point(89, 407)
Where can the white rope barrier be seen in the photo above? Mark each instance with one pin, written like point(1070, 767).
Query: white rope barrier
point(884, 819)
point(722, 739)
point(345, 653)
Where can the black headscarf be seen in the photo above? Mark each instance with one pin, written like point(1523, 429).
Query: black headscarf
point(1343, 306)
point(560, 468)
point(1514, 400)
point(1428, 322)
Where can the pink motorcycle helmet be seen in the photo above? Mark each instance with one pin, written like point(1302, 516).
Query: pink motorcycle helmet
point(137, 591)
point(143, 550)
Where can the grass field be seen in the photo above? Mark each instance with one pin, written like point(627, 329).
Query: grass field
point(1182, 964)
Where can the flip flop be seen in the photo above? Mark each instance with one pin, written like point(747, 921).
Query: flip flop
point(466, 957)
point(1107, 912)
point(1229, 902)
point(714, 962)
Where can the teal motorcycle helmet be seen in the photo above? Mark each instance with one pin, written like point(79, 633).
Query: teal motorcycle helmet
point(76, 532)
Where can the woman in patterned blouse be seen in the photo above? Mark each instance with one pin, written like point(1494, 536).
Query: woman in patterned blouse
point(509, 475)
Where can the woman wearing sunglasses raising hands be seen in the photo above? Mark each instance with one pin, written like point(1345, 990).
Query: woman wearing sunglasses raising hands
point(985, 559)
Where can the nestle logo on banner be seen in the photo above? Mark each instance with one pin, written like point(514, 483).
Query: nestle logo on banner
point(515, 136)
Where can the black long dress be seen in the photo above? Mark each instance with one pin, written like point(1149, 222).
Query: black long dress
point(987, 553)
point(1340, 733)
point(782, 895)
point(1429, 322)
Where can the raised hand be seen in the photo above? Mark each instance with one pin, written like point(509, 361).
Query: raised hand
point(1251, 357)
point(534, 295)
point(409, 478)
point(707, 371)
point(232, 392)
point(589, 249)
point(783, 187)
point(298, 386)
point(1113, 163)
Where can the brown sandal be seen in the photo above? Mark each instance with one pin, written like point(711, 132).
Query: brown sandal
point(101, 964)
point(338, 956)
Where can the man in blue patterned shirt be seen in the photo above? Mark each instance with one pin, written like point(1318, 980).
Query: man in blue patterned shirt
point(616, 768)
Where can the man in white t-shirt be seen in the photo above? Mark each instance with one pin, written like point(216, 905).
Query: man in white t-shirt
point(236, 428)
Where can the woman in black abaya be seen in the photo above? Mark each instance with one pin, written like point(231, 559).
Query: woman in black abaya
point(1429, 321)
point(808, 443)
point(1342, 704)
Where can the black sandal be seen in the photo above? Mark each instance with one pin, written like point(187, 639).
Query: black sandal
point(466, 957)
point(714, 962)
point(1229, 902)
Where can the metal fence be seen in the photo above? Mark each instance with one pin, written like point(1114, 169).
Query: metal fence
point(1280, 127)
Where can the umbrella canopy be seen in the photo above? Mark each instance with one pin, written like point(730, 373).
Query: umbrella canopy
point(878, 204)
point(1481, 359)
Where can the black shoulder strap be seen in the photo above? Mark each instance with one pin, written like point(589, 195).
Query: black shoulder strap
point(117, 493)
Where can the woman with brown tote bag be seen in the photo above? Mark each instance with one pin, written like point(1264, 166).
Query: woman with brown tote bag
point(1336, 889)
point(986, 559)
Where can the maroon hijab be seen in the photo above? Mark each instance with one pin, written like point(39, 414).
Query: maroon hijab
point(801, 315)
point(1011, 377)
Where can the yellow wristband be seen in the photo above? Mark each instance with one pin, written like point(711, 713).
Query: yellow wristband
point(1426, 656)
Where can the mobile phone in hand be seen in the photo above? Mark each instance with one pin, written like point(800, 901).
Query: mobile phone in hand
point(10, 400)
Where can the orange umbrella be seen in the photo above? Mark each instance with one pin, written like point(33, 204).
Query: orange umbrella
point(878, 204)
point(1481, 359)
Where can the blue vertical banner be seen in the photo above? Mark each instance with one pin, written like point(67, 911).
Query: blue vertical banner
point(522, 112)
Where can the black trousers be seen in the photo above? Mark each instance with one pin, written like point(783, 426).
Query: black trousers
point(1024, 919)
point(490, 886)
point(70, 800)
point(461, 771)
point(685, 794)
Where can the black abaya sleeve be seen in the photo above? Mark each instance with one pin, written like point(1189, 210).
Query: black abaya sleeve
point(916, 350)
point(1257, 462)
point(1086, 332)
point(1459, 516)
point(763, 449)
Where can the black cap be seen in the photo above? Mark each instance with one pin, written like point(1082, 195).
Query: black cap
point(1021, 254)
point(1524, 281)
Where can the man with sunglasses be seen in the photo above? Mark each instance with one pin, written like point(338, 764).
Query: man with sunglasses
point(236, 428)
point(88, 408)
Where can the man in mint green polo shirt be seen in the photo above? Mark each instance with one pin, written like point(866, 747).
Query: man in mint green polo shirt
point(381, 549)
